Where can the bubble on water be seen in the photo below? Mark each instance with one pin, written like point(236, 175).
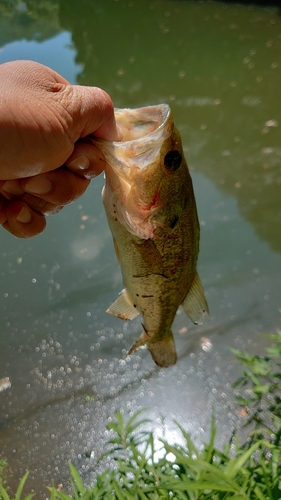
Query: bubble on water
point(267, 150)
point(183, 330)
point(5, 384)
point(206, 344)
point(249, 100)
point(271, 123)
point(88, 247)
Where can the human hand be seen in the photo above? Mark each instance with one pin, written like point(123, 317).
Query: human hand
point(47, 157)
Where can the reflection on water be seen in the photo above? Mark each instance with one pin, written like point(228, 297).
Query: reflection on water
point(218, 66)
point(28, 20)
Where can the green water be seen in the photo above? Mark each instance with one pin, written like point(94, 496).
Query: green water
point(219, 68)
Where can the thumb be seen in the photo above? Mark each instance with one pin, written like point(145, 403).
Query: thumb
point(92, 112)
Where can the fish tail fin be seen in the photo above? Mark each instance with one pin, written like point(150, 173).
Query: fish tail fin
point(163, 351)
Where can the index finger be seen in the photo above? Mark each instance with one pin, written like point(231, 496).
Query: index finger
point(92, 112)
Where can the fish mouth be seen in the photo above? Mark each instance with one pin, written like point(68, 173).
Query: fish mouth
point(135, 124)
point(144, 130)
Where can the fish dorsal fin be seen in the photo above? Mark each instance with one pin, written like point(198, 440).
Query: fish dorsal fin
point(195, 304)
point(123, 307)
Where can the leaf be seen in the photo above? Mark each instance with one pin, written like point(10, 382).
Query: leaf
point(58, 494)
point(223, 478)
point(259, 495)
point(122, 494)
point(261, 389)
point(21, 485)
point(77, 479)
point(192, 486)
point(190, 445)
point(235, 465)
point(113, 426)
point(4, 493)
point(134, 417)
point(239, 497)
point(210, 448)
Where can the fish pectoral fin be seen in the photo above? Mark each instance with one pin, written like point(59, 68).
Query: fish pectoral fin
point(123, 307)
point(195, 304)
point(163, 351)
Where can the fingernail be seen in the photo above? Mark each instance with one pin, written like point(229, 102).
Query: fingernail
point(38, 185)
point(80, 163)
point(24, 216)
point(12, 187)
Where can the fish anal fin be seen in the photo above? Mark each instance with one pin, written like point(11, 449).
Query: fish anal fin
point(163, 351)
point(142, 340)
point(195, 304)
point(123, 307)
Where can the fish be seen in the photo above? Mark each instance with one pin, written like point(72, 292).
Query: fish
point(151, 211)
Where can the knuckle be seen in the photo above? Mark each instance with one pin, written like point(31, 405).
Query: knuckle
point(40, 205)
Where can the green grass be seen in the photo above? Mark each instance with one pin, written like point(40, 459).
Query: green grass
point(3, 471)
point(251, 470)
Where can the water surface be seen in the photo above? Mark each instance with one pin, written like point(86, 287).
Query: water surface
point(219, 68)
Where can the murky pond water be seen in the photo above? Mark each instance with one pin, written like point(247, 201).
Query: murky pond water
point(219, 67)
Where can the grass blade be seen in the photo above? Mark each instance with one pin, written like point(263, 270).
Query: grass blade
point(21, 485)
point(3, 493)
point(77, 481)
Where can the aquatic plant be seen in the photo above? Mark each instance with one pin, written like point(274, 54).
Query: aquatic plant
point(184, 471)
point(4, 491)
point(3, 471)
point(261, 385)
point(248, 471)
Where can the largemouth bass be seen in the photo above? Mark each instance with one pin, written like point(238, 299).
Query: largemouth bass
point(151, 211)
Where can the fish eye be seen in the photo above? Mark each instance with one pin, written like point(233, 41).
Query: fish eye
point(172, 160)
